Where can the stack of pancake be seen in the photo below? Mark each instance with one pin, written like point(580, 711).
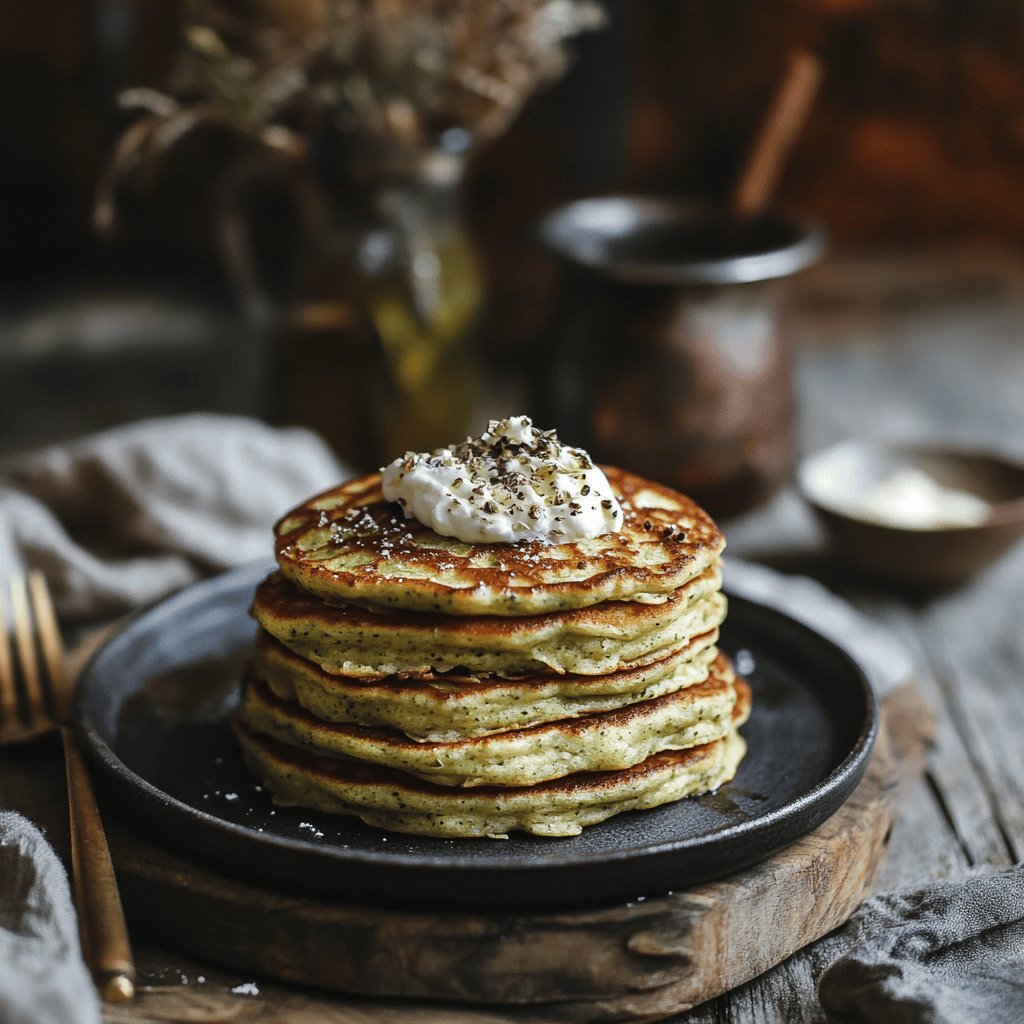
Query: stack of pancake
point(443, 688)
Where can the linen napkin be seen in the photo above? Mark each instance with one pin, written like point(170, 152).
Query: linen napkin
point(42, 977)
point(122, 518)
point(949, 953)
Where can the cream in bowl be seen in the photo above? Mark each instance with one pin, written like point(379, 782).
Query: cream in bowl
point(915, 514)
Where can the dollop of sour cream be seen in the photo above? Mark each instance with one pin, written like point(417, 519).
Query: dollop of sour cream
point(911, 499)
point(513, 483)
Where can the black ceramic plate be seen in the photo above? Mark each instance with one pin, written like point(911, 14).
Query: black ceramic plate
point(153, 708)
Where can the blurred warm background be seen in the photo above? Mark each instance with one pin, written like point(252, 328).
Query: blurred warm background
point(914, 145)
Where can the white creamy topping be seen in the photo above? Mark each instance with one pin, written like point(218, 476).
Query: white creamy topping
point(912, 499)
point(513, 483)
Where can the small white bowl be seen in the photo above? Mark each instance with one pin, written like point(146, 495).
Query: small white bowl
point(835, 482)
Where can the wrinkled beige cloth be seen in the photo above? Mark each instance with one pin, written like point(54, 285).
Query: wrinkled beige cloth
point(122, 518)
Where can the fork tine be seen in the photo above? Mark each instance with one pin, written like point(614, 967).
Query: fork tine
point(51, 644)
point(33, 684)
point(8, 694)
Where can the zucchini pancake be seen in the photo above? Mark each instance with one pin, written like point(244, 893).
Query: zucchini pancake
point(495, 636)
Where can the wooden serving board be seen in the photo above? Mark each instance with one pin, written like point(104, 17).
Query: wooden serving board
point(640, 961)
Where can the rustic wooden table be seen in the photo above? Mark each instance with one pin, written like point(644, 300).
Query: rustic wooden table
point(926, 347)
point(913, 345)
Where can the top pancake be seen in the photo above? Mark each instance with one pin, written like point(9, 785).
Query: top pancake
point(351, 545)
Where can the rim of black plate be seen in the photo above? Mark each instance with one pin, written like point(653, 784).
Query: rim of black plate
point(849, 767)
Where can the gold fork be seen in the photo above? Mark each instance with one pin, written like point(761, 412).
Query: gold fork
point(43, 701)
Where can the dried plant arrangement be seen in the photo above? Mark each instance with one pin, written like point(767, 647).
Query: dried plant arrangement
point(402, 68)
point(394, 74)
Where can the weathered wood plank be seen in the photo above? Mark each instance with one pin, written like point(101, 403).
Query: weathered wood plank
point(951, 768)
point(975, 643)
point(897, 346)
point(780, 995)
point(923, 847)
